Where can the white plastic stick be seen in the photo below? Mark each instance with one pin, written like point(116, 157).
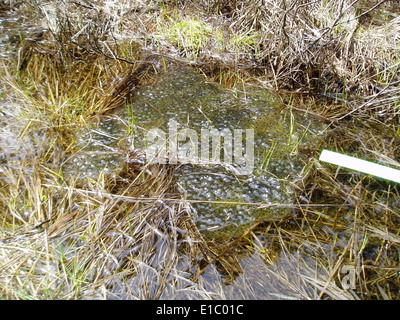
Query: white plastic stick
point(360, 165)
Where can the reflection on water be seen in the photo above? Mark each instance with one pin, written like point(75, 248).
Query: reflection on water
point(17, 26)
point(287, 278)
point(18, 141)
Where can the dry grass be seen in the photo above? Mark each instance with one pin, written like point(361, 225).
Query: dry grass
point(84, 244)
point(129, 236)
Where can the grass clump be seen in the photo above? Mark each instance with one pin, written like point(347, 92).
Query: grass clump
point(129, 235)
point(188, 35)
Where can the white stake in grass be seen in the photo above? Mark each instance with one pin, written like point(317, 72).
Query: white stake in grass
point(360, 165)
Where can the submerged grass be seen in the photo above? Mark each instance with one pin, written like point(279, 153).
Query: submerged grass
point(129, 235)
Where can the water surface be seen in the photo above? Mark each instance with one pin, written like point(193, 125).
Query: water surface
point(184, 98)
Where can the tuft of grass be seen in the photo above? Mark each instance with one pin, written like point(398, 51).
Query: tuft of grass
point(130, 235)
point(187, 35)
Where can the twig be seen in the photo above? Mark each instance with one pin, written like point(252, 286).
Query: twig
point(284, 20)
point(366, 12)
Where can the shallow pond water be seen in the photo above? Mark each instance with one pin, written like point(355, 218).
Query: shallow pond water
point(249, 166)
point(238, 168)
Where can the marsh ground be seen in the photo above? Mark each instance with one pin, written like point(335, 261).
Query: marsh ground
point(128, 234)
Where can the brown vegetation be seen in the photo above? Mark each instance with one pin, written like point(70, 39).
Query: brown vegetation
point(130, 235)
